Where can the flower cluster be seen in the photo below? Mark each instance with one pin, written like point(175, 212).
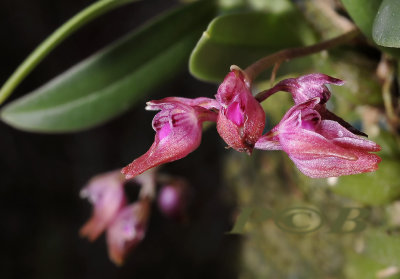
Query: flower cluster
point(126, 224)
point(320, 143)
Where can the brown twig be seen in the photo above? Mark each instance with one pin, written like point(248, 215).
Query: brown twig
point(284, 55)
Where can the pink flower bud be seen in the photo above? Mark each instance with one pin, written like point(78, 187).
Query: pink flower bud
point(106, 193)
point(172, 199)
point(178, 131)
point(127, 230)
point(320, 147)
point(241, 119)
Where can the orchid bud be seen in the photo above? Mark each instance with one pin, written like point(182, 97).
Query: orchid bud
point(320, 147)
point(178, 129)
point(172, 199)
point(305, 87)
point(127, 230)
point(241, 119)
point(106, 193)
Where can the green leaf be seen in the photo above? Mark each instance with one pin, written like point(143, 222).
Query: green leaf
point(386, 28)
point(375, 188)
point(243, 38)
point(111, 81)
point(363, 13)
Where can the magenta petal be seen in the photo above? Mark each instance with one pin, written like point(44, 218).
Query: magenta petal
point(305, 87)
point(313, 85)
point(327, 115)
point(343, 137)
point(268, 142)
point(334, 167)
point(307, 143)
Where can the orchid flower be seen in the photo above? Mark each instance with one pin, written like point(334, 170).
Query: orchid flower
point(106, 193)
point(125, 225)
point(178, 129)
point(241, 118)
point(320, 147)
point(305, 88)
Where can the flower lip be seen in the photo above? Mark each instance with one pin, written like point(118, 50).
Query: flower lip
point(235, 113)
point(164, 131)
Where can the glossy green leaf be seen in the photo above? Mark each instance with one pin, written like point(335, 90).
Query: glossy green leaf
point(386, 28)
point(379, 187)
point(111, 81)
point(363, 13)
point(242, 38)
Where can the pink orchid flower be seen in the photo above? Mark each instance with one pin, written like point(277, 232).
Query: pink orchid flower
point(241, 118)
point(307, 87)
point(320, 147)
point(106, 193)
point(127, 230)
point(178, 129)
